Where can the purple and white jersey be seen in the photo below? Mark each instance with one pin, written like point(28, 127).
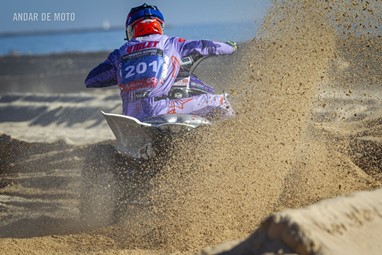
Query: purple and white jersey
point(149, 66)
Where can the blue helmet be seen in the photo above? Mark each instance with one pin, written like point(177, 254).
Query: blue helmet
point(141, 13)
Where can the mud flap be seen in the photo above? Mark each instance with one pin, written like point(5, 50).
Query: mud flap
point(133, 138)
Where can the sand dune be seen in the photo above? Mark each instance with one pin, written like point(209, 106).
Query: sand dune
point(346, 225)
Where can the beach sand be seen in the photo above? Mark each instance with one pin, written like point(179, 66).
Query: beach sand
point(307, 95)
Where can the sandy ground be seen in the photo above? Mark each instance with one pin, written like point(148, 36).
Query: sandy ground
point(308, 128)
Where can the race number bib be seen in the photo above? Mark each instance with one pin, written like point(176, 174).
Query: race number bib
point(141, 70)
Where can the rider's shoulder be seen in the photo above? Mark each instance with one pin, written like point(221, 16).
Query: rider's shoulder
point(114, 53)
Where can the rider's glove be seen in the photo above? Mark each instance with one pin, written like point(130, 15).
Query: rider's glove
point(233, 45)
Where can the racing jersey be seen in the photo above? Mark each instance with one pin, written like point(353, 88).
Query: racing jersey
point(146, 67)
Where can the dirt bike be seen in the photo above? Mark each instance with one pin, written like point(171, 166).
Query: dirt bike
point(137, 139)
point(112, 181)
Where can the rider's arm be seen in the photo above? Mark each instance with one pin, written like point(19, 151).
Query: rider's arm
point(204, 47)
point(105, 74)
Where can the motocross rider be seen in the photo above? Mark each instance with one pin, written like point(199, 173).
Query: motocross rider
point(146, 66)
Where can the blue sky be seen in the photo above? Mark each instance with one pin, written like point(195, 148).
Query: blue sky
point(96, 13)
